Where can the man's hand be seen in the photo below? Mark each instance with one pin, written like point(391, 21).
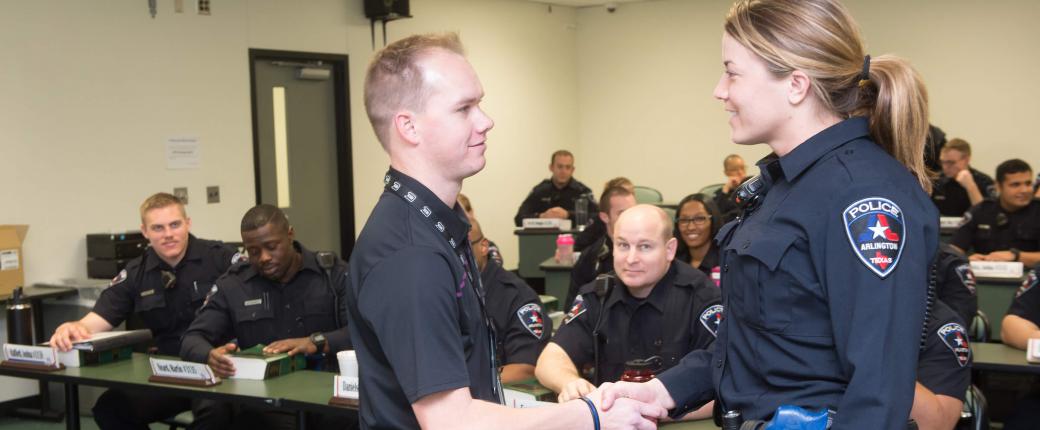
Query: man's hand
point(732, 182)
point(220, 362)
point(964, 177)
point(995, 256)
point(300, 345)
point(977, 257)
point(652, 392)
point(554, 212)
point(67, 333)
point(626, 413)
point(575, 389)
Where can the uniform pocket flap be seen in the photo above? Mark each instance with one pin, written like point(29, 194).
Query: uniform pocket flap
point(768, 247)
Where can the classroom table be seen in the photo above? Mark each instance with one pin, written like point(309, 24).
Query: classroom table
point(1001, 358)
point(557, 278)
point(535, 246)
point(994, 296)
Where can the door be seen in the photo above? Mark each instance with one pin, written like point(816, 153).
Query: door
point(301, 139)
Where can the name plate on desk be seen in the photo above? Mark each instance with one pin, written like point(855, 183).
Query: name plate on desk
point(345, 392)
point(1033, 351)
point(546, 224)
point(181, 372)
point(997, 269)
point(950, 222)
point(31, 357)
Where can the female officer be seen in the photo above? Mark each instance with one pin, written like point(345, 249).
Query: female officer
point(697, 221)
point(824, 275)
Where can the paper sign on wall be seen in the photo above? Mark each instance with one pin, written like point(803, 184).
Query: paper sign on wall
point(183, 152)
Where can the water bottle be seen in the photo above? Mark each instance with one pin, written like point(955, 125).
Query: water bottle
point(19, 319)
point(564, 249)
point(581, 214)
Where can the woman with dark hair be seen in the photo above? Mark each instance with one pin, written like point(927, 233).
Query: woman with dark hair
point(697, 221)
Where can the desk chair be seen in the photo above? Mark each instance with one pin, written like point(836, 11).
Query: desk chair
point(647, 195)
point(710, 189)
point(980, 330)
point(975, 414)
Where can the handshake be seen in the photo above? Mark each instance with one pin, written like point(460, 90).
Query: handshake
point(623, 405)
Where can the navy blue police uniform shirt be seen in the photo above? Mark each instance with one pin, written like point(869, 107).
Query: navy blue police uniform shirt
point(955, 282)
point(987, 227)
point(952, 199)
point(166, 311)
point(1026, 303)
point(419, 328)
point(521, 323)
point(944, 366)
point(681, 314)
point(824, 286)
point(595, 260)
point(255, 310)
point(545, 196)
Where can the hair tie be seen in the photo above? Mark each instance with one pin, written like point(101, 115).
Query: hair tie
point(864, 76)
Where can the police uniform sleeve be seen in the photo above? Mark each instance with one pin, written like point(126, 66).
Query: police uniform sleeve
point(339, 339)
point(1026, 303)
point(528, 331)
point(956, 284)
point(708, 306)
point(116, 302)
point(226, 256)
point(409, 302)
point(689, 383)
point(529, 208)
point(575, 333)
point(876, 298)
point(965, 234)
point(212, 326)
point(944, 366)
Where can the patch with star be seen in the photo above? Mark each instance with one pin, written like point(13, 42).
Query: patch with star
point(531, 317)
point(577, 309)
point(956, 338)
point(1028, 284)
point(967, 277)
point(874, 227)
point(239, 256)
point(711, 319)
point(119, 278)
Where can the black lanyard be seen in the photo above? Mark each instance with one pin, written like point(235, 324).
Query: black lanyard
point(469, 265)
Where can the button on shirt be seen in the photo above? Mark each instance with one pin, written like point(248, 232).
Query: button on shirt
point(808, 320)
point(522, 325)
point(988, 228)
point(419, 328)
point(952, 199)
point(167, 312)
point(545, 196)
point(256, 310)
point(680, 315)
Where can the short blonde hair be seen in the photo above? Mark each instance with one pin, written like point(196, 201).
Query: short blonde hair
point(159, 201)
point(394, 79)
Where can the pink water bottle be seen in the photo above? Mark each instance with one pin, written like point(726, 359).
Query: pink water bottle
point(565, 249)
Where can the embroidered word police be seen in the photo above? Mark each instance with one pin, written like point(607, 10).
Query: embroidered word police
point(955, 338)
point(875, 231)
point(531, 317)
point(711, 319)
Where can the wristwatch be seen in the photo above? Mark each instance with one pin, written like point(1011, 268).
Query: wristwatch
point(1015, 253)
point(318, 339)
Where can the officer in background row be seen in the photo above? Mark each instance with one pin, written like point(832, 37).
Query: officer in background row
point(943, 370)
point(960, 186)
point(165, 286)
point(521, 323)
point(658, 310)
point(1021, 324)
point(555, 197)
point(598, 258)
point(1006, 228)
point(493, 251)
point(597, 229)
point(736, 173)
point(955, 282)
point(285, 297)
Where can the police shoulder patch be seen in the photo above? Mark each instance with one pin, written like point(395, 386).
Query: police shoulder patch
point(531, 318)
point(120, 277)
point(711, 319)
point(967, 277)
point(875, 227)
point(239, 256)
point(577, 309)
point(956, 338)
point(1031, 280)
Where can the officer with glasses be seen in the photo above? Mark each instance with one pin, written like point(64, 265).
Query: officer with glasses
point(698, 220)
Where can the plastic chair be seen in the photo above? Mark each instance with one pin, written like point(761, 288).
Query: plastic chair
point(647, 195)
point(975, 413)
point(710, 189)
point(980, 330)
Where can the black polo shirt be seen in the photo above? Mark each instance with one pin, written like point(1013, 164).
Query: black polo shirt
point(545, 196)
point(521, 323)
point(418, 329)
point(952, 199)
point(1026, 303)
point(167, 312)
point(681, 314)
point(988, 227)
point(944, 365)
point(256, 310)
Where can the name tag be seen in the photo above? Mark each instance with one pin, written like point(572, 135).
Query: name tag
point(1033, 351)
point(41, 355)
point(346, 387)
point(997, 269)
point(147, 293)
point(181, 369)
point(253, 302)
point(950, 221)
point(983, 226)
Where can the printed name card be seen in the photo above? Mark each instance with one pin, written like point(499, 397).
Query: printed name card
point(346, 387)
point(172, 371)
point(43, 356)
point(1033, 351)
point(950, 222)
point(997, 269)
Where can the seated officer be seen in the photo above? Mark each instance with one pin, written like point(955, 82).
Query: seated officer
point(520, 321)
point(285, 297)
point(493, 252)
point(165, 287)
point(955, 282)
point(596, 229)
point(943, 371)
point(660, 308)
point(1022, 323)
point(1008, 228)
point(555, 197)
point(598, 258)
point(736, 173)
point(960, 186)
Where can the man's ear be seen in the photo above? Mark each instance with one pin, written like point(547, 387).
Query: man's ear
point(671, 246)
point(405, 127)
point(799, 87)
point(291, 234)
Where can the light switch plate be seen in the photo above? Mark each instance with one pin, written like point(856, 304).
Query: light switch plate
point(181, 193)
point(213, 194)
point(202, 7)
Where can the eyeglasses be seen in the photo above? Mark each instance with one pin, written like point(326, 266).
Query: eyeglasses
point(697, 220)
point(476, 242)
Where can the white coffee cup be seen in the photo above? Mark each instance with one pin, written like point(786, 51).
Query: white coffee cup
point(348, 366)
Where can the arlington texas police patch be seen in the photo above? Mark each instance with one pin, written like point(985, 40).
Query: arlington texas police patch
point(875, 230)
point(711, 319)
point(531, 317)
point(955, 338)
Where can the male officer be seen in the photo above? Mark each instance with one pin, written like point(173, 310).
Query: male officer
point(520, 321)
point(960, 186)
point(555, 197)
point(736, 174)
point(955, 282)
point(660, 310)
point(943, 370)
point(1021, 324)
point(1008, 228)
point(416, 312)
point(286, 297)
point(598, 258)
point(165, 286)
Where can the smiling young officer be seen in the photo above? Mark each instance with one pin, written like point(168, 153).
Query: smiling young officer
point(165, 286)
point(1006, 228)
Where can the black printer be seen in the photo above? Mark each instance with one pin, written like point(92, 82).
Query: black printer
point(108, 253)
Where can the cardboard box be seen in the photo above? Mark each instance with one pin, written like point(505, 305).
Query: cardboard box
point(12, 260)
